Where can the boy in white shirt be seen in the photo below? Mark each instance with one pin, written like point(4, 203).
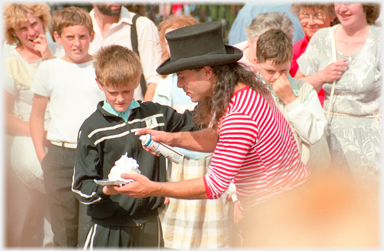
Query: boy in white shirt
point(296, 99)
point(66, 87)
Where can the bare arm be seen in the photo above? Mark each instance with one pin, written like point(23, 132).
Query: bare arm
point(143, 187)
point(332, 72)
point(150, 92)
point(14, 125)
point(36, 124)
point(202, 141)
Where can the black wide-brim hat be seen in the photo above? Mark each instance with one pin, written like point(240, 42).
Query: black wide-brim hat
point(196, 46)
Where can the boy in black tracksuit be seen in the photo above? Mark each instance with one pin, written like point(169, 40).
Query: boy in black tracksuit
point(119, 220)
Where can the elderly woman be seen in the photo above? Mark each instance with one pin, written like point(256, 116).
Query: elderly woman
point(312, 17)
point(25, 27)
point(260, 24)
point(345, 60)
point(252, 142)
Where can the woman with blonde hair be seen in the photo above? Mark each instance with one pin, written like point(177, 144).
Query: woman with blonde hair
point(25, 27)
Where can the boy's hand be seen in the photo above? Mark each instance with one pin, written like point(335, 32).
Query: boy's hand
point(110, 190)
point(283, 89)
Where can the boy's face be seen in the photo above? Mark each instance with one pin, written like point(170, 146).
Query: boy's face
point(120, 98)
point(75, 41)
point(270, 71)
point(195, 84)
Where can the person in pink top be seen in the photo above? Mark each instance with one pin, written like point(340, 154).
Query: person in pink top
point(252, 142)
point(312, 16)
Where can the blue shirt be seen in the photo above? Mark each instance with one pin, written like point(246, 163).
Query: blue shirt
point(125, 114)
point(251, 10)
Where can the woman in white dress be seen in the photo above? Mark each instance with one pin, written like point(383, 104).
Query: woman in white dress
point(27, 213)
point(353, 133)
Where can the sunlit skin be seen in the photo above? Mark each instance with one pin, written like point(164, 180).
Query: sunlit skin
point(350, 15)
point(311, 26)
point(33, 43)
point(276, 76)
point(75, 41)
point(119, 98)
point(196, 84)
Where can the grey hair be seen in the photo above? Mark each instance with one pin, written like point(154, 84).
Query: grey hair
point(266, 21)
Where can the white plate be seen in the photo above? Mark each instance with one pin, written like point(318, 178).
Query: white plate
point(112, 182)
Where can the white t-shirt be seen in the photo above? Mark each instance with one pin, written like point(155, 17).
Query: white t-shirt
point(73, 94)
point(148, 43)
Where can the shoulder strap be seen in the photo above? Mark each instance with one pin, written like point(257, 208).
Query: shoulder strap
point(134, 48)
point(334, 59)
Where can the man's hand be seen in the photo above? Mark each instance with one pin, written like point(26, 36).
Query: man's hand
point(283, 89)
point(139, 188)
point(158, 136)
point(237, 216)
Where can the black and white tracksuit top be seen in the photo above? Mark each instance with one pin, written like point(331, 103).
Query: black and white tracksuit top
point(103, 138)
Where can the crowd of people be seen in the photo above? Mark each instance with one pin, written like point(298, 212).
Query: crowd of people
point(286, 115)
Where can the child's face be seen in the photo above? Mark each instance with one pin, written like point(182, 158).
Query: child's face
point(75, 41)
point(119, 98)
point(270, 72)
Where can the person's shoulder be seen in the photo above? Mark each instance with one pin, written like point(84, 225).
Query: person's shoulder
point(56, 50)
point(95, 120)
point(304, 87)
point(50, 64)
point(242, 45)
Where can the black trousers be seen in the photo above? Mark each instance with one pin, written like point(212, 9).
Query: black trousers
point(69, 221)
point(146, 235)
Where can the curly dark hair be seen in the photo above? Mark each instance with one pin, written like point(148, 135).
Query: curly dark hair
point(212, 109)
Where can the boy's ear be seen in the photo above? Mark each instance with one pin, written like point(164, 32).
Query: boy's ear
point(99, 85)
point(57, 37)
point(92, 36)
point(256, 62)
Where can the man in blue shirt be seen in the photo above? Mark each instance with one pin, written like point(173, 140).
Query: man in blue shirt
point(251, 10)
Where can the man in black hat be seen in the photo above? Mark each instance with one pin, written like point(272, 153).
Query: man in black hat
point(252, 142)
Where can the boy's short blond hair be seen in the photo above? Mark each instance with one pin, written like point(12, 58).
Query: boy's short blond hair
point(71, 16)
point(16, 13)
point(274, 45)
point(117, 66)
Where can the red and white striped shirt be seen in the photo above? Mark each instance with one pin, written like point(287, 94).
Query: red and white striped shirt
point(256, 150)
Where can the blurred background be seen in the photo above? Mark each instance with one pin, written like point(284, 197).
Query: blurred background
point(157, 12)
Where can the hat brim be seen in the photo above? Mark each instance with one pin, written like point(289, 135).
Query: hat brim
point(232, 55)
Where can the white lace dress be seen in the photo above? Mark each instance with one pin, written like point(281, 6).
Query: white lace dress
point(353, 134)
